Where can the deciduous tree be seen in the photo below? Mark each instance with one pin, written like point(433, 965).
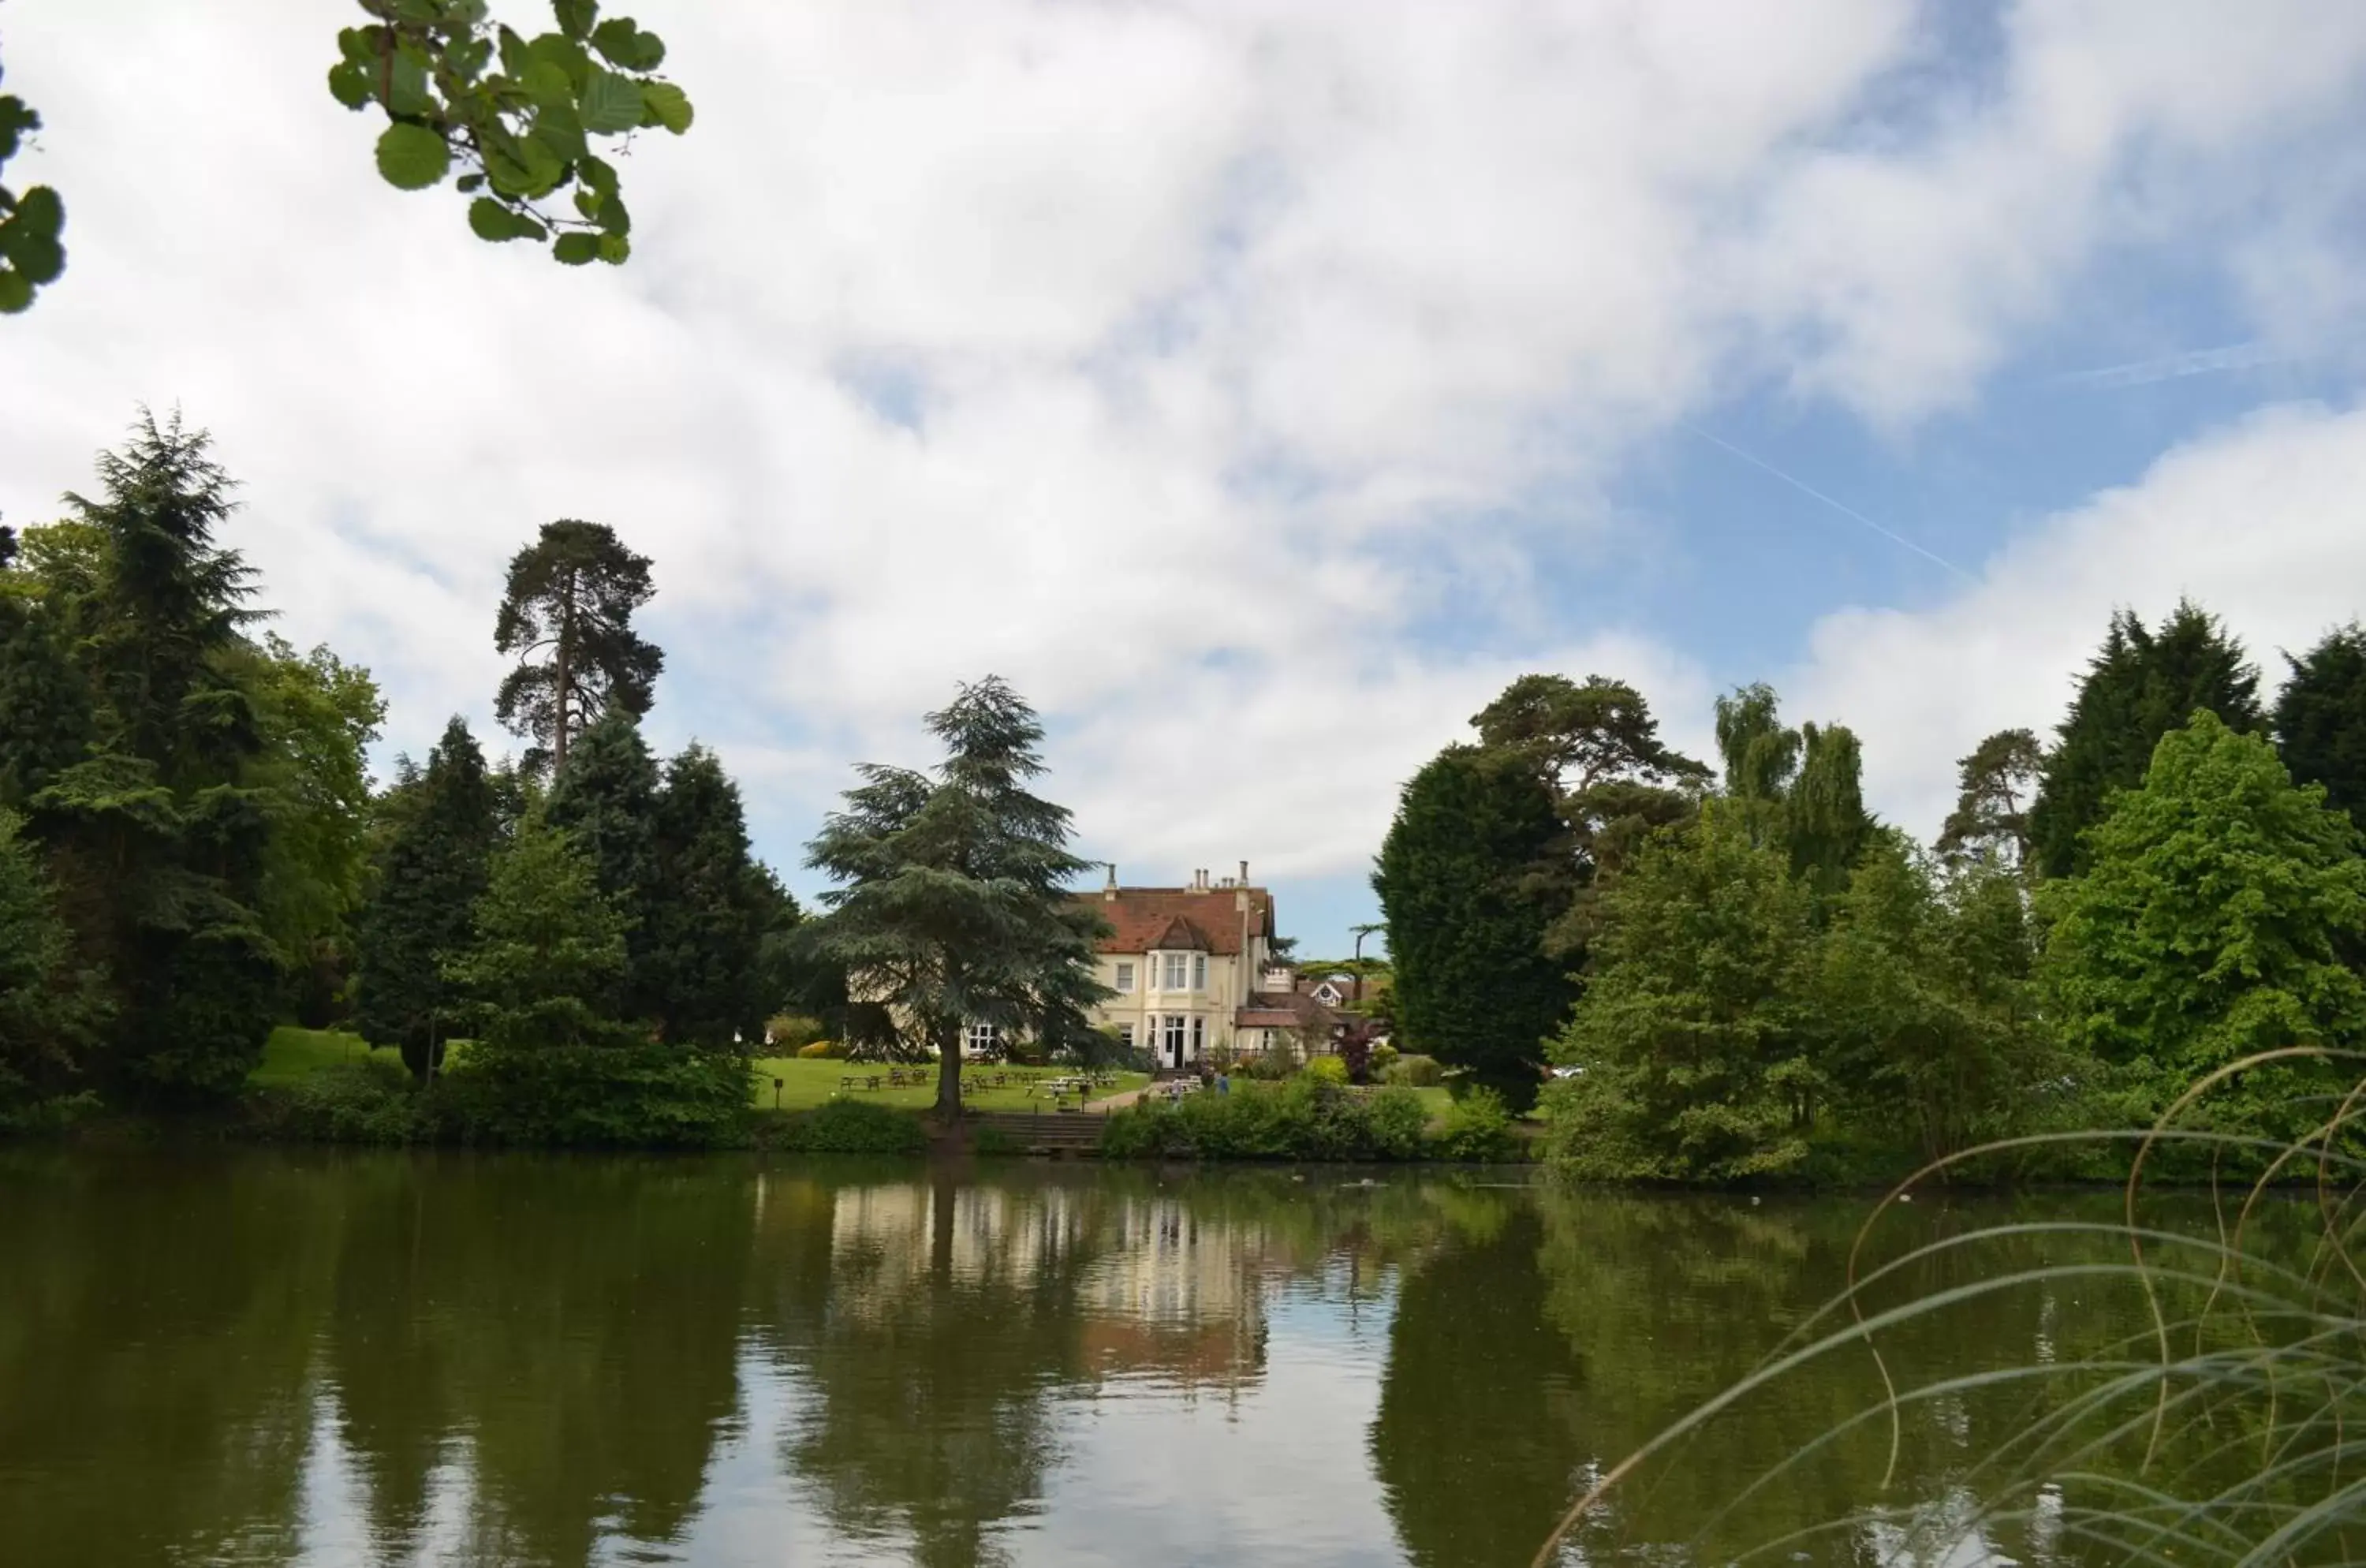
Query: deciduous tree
point(2210, 921)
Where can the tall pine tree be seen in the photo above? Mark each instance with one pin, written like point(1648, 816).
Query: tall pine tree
point(566, 616)
point(1467, 931)
point(2140, 685)
point(2321, 719)
point(433, 868)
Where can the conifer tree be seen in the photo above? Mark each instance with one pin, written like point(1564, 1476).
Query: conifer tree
point(1990, 822)
point(606, 799)
point(951, 906)
point(2321, 719)
point(546, 964)
point(707, 928)
point(566, 615)
point(158, 834)
point(420, 916)
point(50, 1006)
point(2140, 685)
point(1474, 986)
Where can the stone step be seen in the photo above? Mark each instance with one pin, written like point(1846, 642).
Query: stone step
point(1048, 1130)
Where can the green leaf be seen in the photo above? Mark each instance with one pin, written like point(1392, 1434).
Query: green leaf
point(493, 221)
point(586, 202)
point(648, 53)
point(522, 166)
point(547, 83)
point(600, 175)
point(576, 250)
point(610, 104)
point(406, 85)
point(16, 292)
point(358, 45)
point(471, 181)
point(349, 84)
point(41, 212)
point(413, 157)
point(667, 105)
point(614, 248)
point(575, 17)
point(515, 54)
point(614, 38)
point(558, 127)
point(612, 216)
point(564, 53)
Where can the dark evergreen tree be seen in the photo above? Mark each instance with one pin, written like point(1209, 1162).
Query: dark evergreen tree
point(605, 797)
point(45, 702)
point(952, 906)
point(567, 618)
point(1473, 985)
point(50, 1007)
point(158, 835)
point(1990, 822)
point(431, 870)
point(2140, 685)
point(706, 931)
point(2321, 719)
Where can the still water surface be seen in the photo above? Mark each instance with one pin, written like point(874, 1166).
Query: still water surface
point(257, 1357)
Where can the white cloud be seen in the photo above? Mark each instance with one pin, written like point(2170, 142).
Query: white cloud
point(2258, 522)
point(1206, 328)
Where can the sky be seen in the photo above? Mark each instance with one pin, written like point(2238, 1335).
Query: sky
point(1260, 387)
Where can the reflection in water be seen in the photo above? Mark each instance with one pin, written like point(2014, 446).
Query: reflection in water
point(266, 1358)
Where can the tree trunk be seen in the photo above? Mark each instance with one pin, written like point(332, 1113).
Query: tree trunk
point(949, 1066)
point(563, 674)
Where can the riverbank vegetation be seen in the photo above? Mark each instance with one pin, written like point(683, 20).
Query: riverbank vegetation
point(1743, 975)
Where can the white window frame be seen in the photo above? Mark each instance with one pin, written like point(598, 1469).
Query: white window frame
point(1178, 970)
point(1172, 1036)
point(1199, 1036)
point(1125, 1036)
point(979, 1038)
point(1125, 976)
point(1199, 971)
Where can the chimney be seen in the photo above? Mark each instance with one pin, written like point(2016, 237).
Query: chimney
point(1108, 889)
point(1244, 874)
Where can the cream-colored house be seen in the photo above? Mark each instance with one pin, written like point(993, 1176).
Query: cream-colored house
point(1184, 966)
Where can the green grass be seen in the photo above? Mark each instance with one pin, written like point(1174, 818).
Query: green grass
point(806, 1084)
point(292, 1054)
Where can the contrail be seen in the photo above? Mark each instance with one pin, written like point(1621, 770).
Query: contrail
point(2194, 362)
point(1845, 510)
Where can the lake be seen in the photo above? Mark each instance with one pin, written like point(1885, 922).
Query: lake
point(270, 1356)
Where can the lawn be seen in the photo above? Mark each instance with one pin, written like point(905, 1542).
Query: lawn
point(291, 1054)
point(806, 1084)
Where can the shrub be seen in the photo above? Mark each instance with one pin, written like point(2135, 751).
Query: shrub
point(994, 1141)
point(1301, 1119)
point(792, 1031)
point(368, 1102)
point(820, 1050)
point(1327, 1070)
point(1400, 1122)
point(1272, 1064)
point(595, 1096)
point(1477, 1128)
point(1383, 1057)
point(853, 1127)
point(1416, 1072)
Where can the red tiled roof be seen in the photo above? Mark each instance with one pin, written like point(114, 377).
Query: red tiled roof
point(1265, 1018)
point(1145, 918)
